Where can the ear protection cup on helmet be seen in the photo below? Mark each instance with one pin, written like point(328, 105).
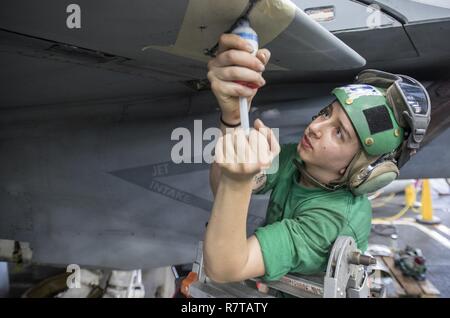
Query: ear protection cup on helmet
point(372, 178)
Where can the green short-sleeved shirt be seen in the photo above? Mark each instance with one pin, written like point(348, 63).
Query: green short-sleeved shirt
point(303, 223)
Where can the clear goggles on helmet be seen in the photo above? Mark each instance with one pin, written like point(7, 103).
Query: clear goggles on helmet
point(410, 102)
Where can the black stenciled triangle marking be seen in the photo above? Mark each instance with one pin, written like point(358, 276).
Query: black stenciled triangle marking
point(146, 177)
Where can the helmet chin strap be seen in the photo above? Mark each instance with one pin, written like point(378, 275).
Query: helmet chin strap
point(328, 187)
point(359, 161)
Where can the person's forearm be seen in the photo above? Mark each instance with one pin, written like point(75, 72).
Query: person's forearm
point(225, 247)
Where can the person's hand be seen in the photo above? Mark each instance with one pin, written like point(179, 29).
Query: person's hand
point(234, 62)
point(241, 157)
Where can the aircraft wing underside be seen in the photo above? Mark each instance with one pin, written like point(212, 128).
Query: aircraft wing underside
point(87, 114)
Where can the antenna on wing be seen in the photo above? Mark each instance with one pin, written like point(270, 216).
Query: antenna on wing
point(245, 31)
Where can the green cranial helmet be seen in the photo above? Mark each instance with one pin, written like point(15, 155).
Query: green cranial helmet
point(379, 133)
point(372, 117)
point(390, 114)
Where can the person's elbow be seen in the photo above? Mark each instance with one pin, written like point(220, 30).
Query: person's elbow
point(215, 276)
point(221, 275)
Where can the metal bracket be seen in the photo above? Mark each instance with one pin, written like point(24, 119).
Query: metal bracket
point(346, 276)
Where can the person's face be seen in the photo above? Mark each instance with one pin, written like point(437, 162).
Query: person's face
point(329, 142)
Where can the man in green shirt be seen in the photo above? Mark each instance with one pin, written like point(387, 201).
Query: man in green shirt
point(354, 146)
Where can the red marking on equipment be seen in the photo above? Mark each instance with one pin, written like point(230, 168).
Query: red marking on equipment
point(191, 278)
